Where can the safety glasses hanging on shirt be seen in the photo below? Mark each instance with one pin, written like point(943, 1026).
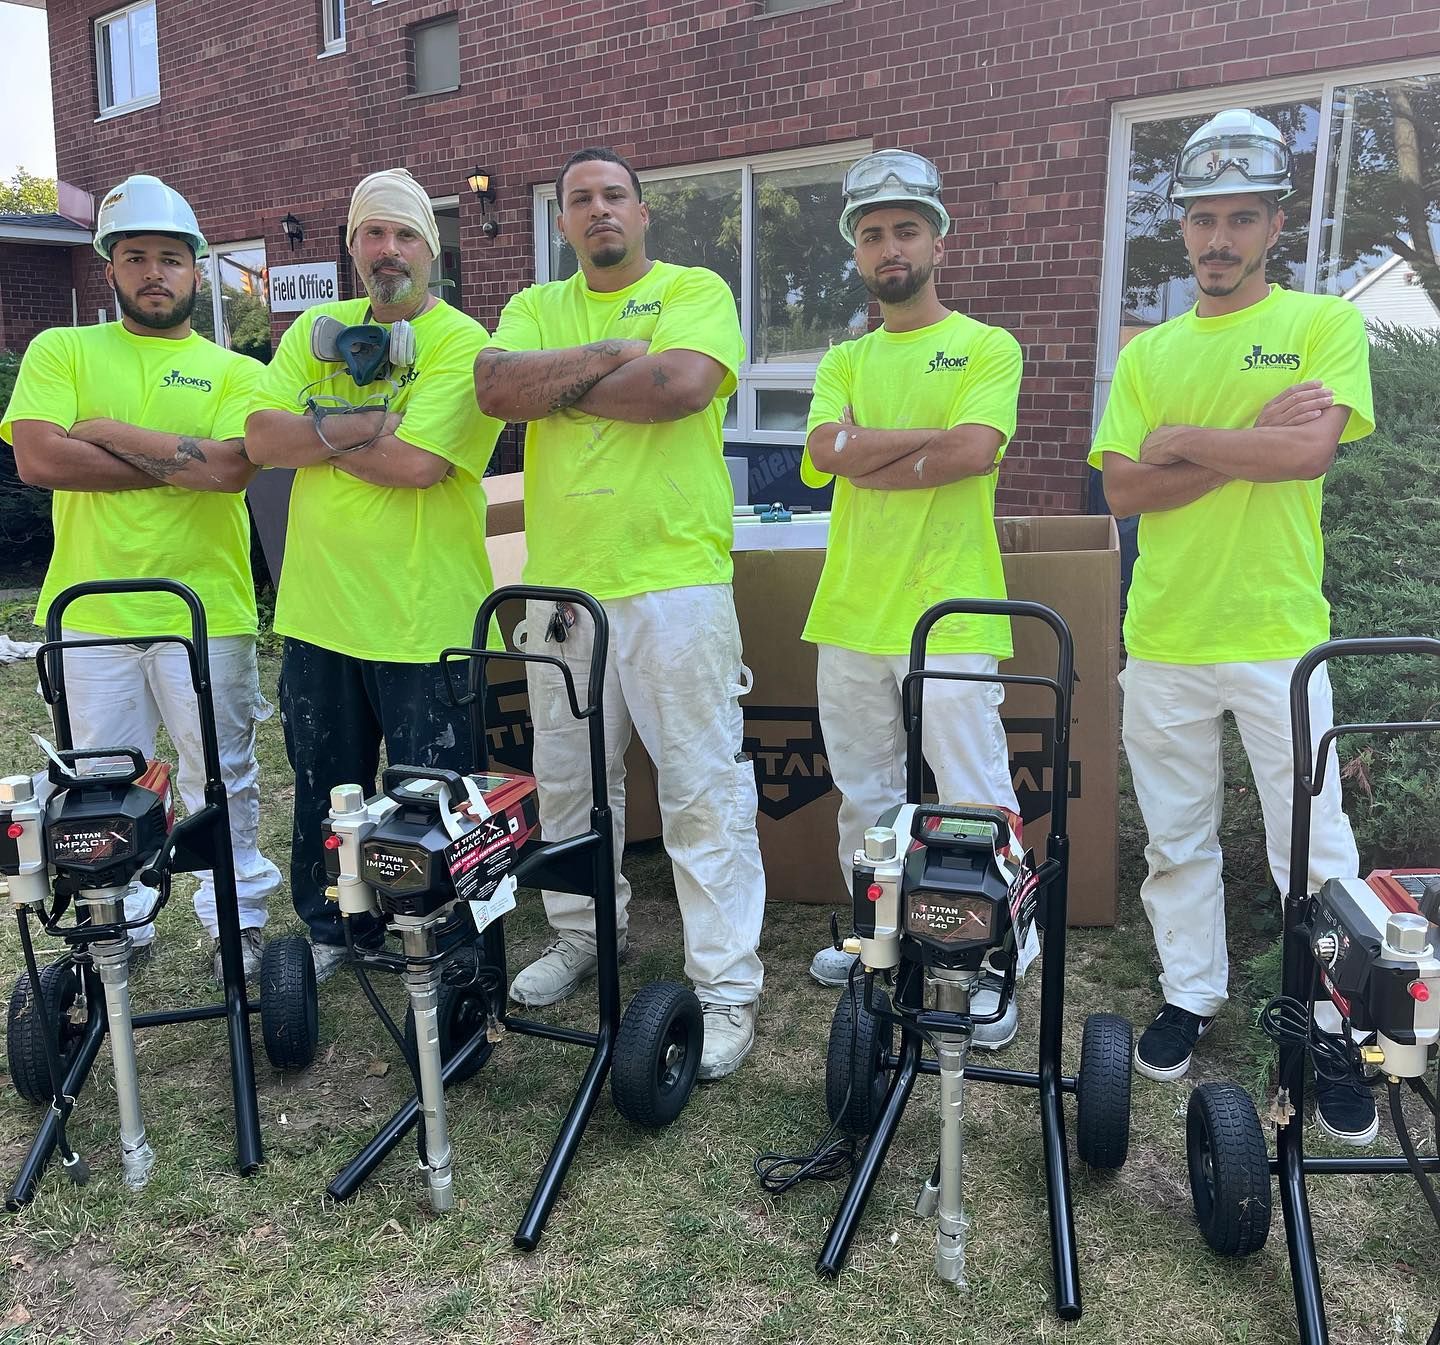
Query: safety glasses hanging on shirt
point(1261, 161)
point(889, 171)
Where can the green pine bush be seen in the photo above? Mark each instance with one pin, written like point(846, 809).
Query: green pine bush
point(24, 511)
point(1382, 576)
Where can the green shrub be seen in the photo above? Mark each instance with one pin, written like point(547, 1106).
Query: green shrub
point(25, 534)
point(1382, 576)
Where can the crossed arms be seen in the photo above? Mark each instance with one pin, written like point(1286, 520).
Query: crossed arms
point(110, 455)
point(902, 459)
point(289, 439)
point(616, 380)
point(1294, 438)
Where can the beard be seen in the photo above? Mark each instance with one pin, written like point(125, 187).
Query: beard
point(898, 289)
point(392, 285)
point(161, 321)
point(609, 251)
point(1228, 287)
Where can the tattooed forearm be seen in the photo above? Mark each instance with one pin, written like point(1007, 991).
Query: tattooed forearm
point(187, 450)
point(660, 377)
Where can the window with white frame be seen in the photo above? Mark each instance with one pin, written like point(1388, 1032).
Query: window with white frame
point(768, 226)
point(127, 59)
point(232, 307)
point(1367, 200)
point(332, 25)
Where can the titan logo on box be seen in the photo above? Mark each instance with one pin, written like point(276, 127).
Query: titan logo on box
point(792, 769)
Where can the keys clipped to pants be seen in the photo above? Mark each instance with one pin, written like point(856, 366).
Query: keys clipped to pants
point(562, 621)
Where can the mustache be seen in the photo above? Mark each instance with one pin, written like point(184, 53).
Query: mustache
point(398, 268)
point(1217, 257)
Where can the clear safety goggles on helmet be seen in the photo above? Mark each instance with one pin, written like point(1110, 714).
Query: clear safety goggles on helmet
point(892, 169)
point(1261, 160)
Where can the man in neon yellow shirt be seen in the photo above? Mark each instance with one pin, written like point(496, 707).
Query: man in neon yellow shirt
point(137, 427)
point(385, 561)
point(1220, 427)
point(913, 419)
point(623, 372)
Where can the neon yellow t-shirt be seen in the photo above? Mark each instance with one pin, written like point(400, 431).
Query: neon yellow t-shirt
point(1234, 577)
point(199, 537)
point(617, 508)
point(388, 573)
point(894, 553)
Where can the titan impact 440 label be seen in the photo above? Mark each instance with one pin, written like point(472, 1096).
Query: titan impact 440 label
point(91, 843)
point(480, 859)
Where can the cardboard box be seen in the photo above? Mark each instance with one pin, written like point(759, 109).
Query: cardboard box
point(505, 503)
point(507, 716)
point(1071, 565)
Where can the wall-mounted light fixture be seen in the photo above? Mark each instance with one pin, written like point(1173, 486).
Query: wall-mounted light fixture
point(294, 231)
point(482, 183)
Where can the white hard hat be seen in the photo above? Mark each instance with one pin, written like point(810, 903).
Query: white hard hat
point(144, 205)
point(893, 177)
point(1234, 152)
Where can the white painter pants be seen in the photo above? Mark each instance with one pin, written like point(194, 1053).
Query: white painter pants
point(119, 695)
point(673, 675)
point(1171, 727)
point(962, 739)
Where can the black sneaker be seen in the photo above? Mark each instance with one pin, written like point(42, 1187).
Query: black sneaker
point(1345, 1109)
point(1165, 1047)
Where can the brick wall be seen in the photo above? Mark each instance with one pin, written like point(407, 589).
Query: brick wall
point(1012, 99)
point(35, 285)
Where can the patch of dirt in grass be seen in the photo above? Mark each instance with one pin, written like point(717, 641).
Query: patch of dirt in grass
point(78, 1295)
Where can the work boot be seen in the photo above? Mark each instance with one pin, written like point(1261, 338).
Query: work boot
point(993, 1036)
point(251, 948)
point(559, 971)
point(328, 959)
point(1165, 1047)
point(729, 1035)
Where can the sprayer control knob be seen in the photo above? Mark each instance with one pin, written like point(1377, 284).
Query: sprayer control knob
point(347, 799)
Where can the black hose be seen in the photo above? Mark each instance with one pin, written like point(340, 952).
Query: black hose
point(1407, 1147)
point(61, 1104)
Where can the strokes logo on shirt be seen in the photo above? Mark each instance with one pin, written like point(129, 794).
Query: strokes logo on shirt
point(634, 310)
point(408, 377)
point(1259, 358)
point(175, 379)
point(944, 361)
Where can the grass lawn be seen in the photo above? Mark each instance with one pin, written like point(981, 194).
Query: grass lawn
point(657, 1237)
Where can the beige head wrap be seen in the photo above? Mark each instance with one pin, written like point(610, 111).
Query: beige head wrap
point(394, 195)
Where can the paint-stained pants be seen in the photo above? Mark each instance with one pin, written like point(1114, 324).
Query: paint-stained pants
point(119, 695)
point(1171, 726)
point(335, 710)
point(962, 740)
point(673, 675)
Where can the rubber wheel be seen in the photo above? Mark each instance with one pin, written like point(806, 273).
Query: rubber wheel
point(657, 1054)
point(855, 1081)
point(464, 1010)
point(60, 986)
point(1229, 1165)
point(1102, 1091)
point(289, 1010)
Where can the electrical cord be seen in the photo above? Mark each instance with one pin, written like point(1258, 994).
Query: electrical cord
point(1336, 1058)
point(831, 1159)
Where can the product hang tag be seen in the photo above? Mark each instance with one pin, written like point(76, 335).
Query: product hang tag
point(480, 859)
point(501, 902)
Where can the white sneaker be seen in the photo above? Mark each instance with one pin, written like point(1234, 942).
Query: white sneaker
point(328, 959)
point(729, 1035)
point(831, 965)
point(558, 972)
point(252, 948)
point(992, 1036)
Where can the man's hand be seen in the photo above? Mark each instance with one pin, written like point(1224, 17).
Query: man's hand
point(1158, 449)
point(1299, 405)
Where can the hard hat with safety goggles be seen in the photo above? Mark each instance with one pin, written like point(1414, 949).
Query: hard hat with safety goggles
point(1234, 152)
point(893, 177)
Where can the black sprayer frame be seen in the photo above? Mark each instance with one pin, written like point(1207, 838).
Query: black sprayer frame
point(1053, 878)
point(201, 841)
point(583, 864)
point(1297, 969)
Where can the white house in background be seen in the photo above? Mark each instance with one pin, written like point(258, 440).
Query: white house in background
point(1392, 292)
